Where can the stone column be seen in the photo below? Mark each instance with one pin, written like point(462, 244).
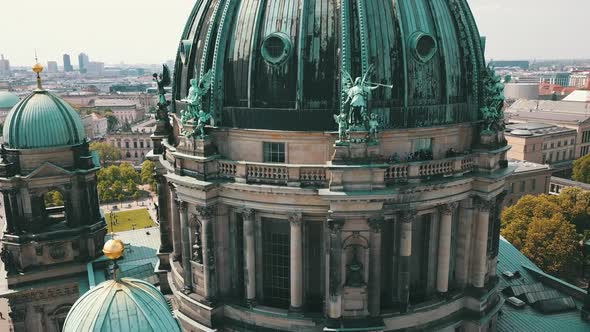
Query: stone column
point(205, 215)
point(296, 245)
point(481, 242)
point(249, 256)
point(464, 240)
point(335, 264)
point(163, 213)
point(186, 248)
point(375, 267)
point(176, 230)
point(407, 218)
point(444, 247)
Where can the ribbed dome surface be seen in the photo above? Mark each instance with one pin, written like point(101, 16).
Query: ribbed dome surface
point(128, 305)
point(277, 64)
point(8, 99)
point(42, 120)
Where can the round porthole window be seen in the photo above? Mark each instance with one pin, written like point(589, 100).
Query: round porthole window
point(276, 48)
point(424, 46)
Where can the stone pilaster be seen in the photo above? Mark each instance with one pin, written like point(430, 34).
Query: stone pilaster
point(186, 248)
point(375, 267)
point(481, 241)
point(249, 256)
point(407, 219)
point(444, 247)
point(205, 214)
point(176, 230)
point(296, 250)
point(162, 188)
point(335, 264)
point(11, 222)
point(464, 240)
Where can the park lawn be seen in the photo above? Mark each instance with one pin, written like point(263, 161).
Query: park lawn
point(140, 217)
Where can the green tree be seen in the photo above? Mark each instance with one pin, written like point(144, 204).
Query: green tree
point(106, 152)
point(112, 121)
point(517, 218)
point(53, 198)
point(551, 244)
point(148, 169)
point(582, 169)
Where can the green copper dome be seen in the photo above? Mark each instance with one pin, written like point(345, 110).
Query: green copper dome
point(128, 305)
point(42, 120)
point(8, 100)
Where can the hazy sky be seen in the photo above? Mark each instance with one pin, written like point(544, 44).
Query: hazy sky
point(148, 31)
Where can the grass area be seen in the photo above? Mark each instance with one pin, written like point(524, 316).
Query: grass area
point(125, 220)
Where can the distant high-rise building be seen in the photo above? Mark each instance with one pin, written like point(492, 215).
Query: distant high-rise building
point(95, 68)
point(52, 66)
point(68, 64)
point(83, 62)
point(4, 66)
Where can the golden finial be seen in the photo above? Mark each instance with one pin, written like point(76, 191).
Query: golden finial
point(37, 69)
point(113, 249)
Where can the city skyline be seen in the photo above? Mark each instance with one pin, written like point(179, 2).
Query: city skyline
point(514, 30)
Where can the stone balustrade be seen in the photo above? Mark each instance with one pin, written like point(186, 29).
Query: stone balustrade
point(318, 175)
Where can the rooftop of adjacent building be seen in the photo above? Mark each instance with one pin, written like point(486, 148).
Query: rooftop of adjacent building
point(580, 96)
point(522, 166)
point(569, 183)
point(536, 129)
point(528, 318)
point(549, 111)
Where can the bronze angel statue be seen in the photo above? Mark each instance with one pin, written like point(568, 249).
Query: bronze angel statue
point(194, 99)
point(358, 94)
point(162, 80)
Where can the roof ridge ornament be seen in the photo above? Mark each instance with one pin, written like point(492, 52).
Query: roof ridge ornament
point(37, 69)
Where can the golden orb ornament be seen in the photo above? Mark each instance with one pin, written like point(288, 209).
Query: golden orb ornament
point(37, 68)
point(113, 249)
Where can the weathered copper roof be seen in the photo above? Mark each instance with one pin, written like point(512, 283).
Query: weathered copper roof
point(8, 99)
point(129, 305)
point(277, 64)
point(42, 120)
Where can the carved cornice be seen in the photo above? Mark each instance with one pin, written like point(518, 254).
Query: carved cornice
point(296, 218)
point(449, 208)
point(408, 216)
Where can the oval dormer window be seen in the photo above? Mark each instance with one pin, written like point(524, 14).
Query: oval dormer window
point(424, 46)
point(276, 48)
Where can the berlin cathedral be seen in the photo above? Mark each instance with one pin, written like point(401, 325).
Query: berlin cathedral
point(322, 165)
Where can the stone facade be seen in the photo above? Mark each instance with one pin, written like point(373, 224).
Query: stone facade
point(381, 240)
point(134, 146)
point(527, 179)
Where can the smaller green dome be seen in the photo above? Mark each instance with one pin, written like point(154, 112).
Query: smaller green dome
point(8, 99)
point(42, 120)
point(129, 305)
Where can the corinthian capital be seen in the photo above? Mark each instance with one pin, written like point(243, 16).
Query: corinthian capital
point(408, 216)
point(376, 224)
point(296, 218)
point(206, 212)
point(448, 209)
point(483, 204)
point(247, 214)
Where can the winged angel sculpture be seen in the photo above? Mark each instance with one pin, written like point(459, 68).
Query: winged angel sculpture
point(358, 92)
point(163, 80)
point(194, 111)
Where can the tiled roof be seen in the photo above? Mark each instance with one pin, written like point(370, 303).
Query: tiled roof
point(528, 319)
